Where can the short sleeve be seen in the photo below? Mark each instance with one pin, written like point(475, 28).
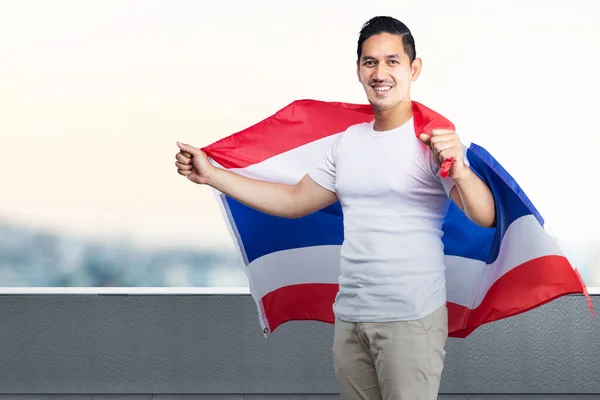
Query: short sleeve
point(323, 173)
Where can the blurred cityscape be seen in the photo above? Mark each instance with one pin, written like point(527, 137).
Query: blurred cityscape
point(36, 258)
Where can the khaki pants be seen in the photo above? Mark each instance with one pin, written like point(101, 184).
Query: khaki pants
point(391, 360)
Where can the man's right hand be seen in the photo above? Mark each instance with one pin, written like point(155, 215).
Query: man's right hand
point(193, 164)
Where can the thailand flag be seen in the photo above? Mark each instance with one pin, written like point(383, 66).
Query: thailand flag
point(293, 265)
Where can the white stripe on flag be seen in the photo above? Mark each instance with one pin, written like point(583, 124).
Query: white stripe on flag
point(290, 166)
point(468, 280)
point(315, 264)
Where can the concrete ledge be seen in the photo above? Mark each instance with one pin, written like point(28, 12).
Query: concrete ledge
point(212, 344)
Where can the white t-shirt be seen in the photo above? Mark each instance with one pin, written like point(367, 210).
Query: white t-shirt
point(394, 202)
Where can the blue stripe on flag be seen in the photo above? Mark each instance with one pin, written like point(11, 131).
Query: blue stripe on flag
point(461, 236)
point(262, 234)
point(483, 156)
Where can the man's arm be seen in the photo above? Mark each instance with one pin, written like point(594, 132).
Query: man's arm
point(289, 201)
point(469, 192)
point(283, 200)
point(474, 198)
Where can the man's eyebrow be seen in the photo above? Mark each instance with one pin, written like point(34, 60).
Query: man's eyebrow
point(388, 56)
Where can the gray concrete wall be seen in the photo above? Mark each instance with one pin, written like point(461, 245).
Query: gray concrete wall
point(212, 344)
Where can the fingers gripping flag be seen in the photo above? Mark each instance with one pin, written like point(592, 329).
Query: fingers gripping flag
point(293, 264)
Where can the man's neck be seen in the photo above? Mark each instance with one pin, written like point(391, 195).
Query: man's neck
point(393, 118)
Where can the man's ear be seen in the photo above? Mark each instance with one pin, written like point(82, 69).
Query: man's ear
point(415, 68)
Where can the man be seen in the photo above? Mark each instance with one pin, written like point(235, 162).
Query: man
point(391, 318)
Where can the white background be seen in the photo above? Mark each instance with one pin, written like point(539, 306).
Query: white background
point(94, 95)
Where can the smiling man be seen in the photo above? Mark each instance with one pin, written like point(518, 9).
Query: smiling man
point(391, 321)
point(391, 316)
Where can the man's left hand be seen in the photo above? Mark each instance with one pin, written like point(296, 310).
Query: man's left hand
point(444, 145)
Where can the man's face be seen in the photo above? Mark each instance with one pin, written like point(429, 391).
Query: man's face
point(385, 71)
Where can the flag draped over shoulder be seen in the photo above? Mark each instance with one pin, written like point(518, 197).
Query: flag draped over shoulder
point(293, 265)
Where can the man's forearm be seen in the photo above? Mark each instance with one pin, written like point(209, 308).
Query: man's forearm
point(475, 198)
point(268, 197)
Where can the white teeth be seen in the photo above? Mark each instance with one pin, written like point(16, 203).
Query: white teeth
point(382, 88)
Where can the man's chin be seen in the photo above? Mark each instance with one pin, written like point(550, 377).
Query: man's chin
point(381, 104)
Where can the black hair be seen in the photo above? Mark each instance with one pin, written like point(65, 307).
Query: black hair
point(377, 25)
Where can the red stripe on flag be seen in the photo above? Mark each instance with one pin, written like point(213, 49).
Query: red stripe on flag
point(523, 288)
point(527, 286)
point(302, 122)
point(297, 124)
point(308, 301)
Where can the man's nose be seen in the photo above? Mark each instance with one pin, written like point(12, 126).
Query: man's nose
point(380, 73)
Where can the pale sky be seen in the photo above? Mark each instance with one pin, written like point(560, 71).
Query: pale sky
point(94, 95)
